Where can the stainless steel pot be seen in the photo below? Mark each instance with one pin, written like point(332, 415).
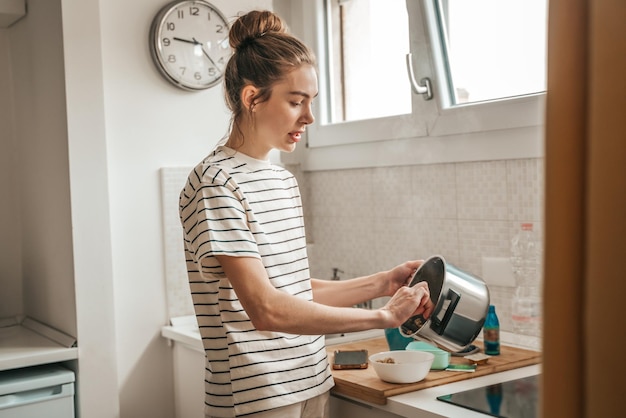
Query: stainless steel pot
point(461, 303)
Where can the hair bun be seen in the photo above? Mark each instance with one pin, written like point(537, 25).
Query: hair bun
point(252, 26)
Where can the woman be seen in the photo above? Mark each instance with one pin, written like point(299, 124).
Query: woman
point(260, 314)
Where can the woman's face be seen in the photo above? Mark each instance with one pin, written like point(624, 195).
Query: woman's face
point(279, 122)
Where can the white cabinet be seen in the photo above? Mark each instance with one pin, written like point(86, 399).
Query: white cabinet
point(37, 392)
point(188, 354)
point(188, 381)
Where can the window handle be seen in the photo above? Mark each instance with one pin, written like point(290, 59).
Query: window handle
point(424, 87)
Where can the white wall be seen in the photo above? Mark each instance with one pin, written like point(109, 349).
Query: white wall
point(98, 391)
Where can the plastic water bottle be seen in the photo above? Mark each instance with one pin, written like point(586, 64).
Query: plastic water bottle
point(526, 262)
point(491, 332)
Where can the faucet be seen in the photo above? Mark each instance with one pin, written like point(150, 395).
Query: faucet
point(336, 272)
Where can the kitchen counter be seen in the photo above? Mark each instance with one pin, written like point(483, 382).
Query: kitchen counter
point(424, 404)
point(184, 330)
point(365, 384)
point(362, 393)
point(416, 404)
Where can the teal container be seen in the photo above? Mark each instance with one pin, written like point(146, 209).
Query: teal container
point(442, 357)
point(395, 340)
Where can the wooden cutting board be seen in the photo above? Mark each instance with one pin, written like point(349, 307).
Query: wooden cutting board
point(364, 383)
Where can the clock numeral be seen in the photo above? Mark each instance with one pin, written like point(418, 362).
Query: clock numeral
point(222, 61)
point(212, 72)
point(220, 28)
point(194, 11)
point(166, 41)
point(182, 70)
point(197, 76)
point(171, 58)
point(171, 26)
point(180, 14)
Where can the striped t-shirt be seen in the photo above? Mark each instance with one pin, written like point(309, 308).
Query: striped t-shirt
point(237, 206)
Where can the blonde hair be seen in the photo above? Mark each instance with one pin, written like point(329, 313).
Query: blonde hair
point(264, 52)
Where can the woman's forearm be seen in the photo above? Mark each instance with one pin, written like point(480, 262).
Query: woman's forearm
point(286, 313)
point(271, 309)
point(348, 292)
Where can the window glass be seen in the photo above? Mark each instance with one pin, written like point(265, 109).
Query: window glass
point(368, 42)
point(485, 60)
point(493, 49)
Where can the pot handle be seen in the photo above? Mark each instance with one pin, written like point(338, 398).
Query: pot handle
point(412, 325)
point(439, 321)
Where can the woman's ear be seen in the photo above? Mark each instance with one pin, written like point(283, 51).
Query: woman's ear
point(248, 93)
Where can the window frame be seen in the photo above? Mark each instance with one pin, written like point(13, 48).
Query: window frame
point(509, 128)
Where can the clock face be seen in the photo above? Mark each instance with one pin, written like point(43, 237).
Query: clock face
point(189, 44)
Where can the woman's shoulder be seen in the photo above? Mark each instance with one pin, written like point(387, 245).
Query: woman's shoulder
point(213, 168)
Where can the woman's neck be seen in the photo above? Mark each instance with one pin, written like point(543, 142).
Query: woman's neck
point(247, 146)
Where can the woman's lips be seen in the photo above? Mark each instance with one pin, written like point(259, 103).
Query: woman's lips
point(295, 136)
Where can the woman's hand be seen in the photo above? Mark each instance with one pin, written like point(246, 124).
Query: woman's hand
point(400, 276)
point(408, 302)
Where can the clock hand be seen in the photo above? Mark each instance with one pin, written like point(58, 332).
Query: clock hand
point(185, 40)
point(206, 53)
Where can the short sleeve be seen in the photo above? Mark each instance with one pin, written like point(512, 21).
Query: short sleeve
point(215, 221)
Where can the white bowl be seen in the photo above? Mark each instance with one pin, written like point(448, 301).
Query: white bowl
point(407, 366)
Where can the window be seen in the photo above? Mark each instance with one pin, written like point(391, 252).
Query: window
point(486, 63)
point(493, 49)
point(368, 41)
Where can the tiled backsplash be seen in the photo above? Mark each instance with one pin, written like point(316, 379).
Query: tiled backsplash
point(366, 220)
point(178, 294)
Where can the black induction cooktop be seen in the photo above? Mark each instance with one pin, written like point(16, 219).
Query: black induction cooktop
point(513, 399)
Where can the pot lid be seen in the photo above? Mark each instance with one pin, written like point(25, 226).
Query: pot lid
point(433, 272)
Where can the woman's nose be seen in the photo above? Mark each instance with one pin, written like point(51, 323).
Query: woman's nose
point(307, 117)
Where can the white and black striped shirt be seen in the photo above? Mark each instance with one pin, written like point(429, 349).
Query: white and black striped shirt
point(237, 206)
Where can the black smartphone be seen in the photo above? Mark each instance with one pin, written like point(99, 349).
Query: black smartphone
point(350, 359)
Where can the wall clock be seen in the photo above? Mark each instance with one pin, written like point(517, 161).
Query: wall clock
point(189, 44)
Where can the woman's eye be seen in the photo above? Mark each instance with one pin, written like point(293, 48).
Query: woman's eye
point(296, 103)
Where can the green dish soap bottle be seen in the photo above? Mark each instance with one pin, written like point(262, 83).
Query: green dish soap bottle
point(491, 332)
